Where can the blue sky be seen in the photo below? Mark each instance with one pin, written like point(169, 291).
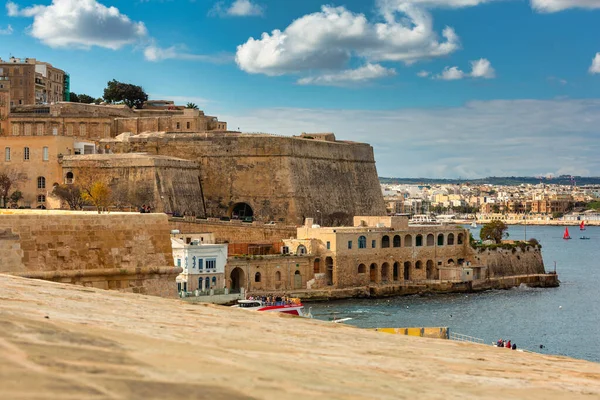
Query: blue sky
point(440, 88)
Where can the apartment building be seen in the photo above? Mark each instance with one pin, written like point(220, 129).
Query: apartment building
point(34, 82)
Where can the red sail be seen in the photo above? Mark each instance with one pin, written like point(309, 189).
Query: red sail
point(582, 226)
point(566, 235)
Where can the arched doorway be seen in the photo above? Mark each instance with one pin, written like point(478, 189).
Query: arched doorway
point(317, 266)
point(329, 266)
point(396, 272)
point(297, 280)
point(240, 211)
point(431, 270)
point(373, 273)
point(407, 271)
point(238, 279)
point(385, 272)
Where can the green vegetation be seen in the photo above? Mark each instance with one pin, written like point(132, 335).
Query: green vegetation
point(495, 230)
point(132, 95)
point(594, 205)
point(192, 106)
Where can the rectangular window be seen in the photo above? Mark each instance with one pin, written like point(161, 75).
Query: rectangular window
point(27, 130)
point(55, 131)
point(188, 125)
point(179, 262)
point(45, 154)
point(26, 153)
point(15, 129)
point(40, 129)
point(177, 125)
point(81, 130)
point(328, 245)
point(200, 264)
point(373, 244)
point(349, 244)
point(69, 130)
point(7, 154)
point(211, 263)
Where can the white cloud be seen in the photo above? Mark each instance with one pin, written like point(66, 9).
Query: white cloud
point(481, 68)
point(434, 3)
point(595, 67)
point(481, 138)
point(155, 54)
point(239, 8)
point(80, 23)
point(423, 74)
point(7, 31)
point(349, 76)
point(560, 5)
point(329, 39)
point(451, 74)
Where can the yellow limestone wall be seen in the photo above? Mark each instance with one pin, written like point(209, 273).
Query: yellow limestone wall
point(436, 333)
point(128, 252)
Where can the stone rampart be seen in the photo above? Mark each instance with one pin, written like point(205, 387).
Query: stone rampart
point(234, 231)
point(121, 251)
point(281, 178)
point(502, 262)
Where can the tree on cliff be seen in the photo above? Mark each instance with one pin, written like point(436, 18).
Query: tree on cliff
point(495, 230)
point(192, 106)
point(132, 95)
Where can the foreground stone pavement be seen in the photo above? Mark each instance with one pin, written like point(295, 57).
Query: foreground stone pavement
point(61, 341)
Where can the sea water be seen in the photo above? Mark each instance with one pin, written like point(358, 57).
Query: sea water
point(564, 320)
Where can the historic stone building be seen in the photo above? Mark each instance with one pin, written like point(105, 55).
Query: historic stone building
point(273, 178)
point(385, 250)
point(167, 184)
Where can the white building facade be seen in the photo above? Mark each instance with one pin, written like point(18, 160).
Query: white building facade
point(203, 265)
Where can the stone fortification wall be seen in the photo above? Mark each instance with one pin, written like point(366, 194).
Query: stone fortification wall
point(126, 252)
point(234, 231)
point(510, 262)
point(281, 178)
point(172, 183)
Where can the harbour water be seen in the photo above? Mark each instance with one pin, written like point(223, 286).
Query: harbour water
point(565, 320)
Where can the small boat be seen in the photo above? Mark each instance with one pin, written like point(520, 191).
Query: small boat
point(584, 238)
point(474, 224)
point(293, 307)
point(566, 235)
point(582, 226)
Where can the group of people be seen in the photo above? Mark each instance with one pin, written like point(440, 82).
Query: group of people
point(507, 344)
point(272, 300)
point(144, 209)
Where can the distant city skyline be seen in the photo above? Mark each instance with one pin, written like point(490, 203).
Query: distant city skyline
point(439, 88)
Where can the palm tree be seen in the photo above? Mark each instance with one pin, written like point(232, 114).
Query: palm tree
point(193, 106)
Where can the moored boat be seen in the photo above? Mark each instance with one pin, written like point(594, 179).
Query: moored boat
point(292, 307)
point(584, 238)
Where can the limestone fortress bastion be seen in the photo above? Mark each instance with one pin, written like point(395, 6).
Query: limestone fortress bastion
point(227, 174)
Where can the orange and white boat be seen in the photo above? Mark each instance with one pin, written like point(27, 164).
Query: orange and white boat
point(293, 307)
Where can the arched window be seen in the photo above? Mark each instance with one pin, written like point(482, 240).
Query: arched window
point(408, 241)
point(214, 281)
point(41, 181)
point(41, 198)
point(257, 277)
point(430, 240)
point(441, 239)
point(419, 241)
point(362, 242)
point(278, 276)
point(362, 268)
point(450, 239)
point(69, 178)
point(385, 241)
point(418, 264)
point(301, 250)
point(396, 241)
point(207, 283)
point(459, 238)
